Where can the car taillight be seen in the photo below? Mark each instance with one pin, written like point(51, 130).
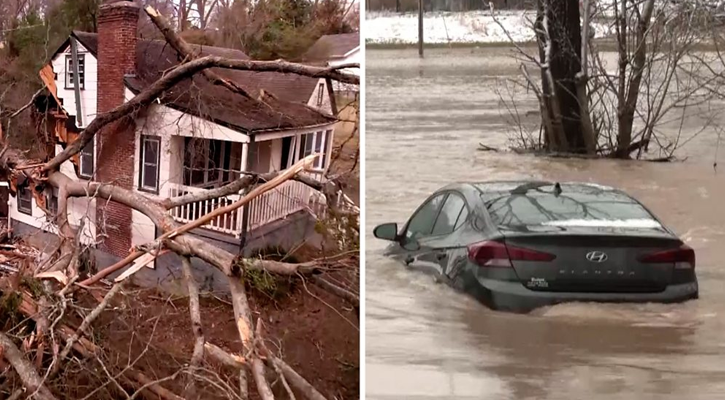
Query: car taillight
point(497, 254)
point(683, 257)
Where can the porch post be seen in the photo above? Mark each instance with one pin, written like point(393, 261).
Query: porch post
point(245, 208)
point(245, 157)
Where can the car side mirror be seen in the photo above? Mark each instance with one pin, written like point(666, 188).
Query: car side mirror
point(387, 231)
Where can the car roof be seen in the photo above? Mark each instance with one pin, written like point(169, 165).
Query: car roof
point(507, 186)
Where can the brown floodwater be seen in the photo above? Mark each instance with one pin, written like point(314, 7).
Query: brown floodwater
point(424, 120)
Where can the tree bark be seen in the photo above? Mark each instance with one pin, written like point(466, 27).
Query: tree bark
point(627, 109)
point(565, 63)
point(25, 370)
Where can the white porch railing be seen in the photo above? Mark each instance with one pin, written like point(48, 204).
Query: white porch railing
point(230, 223)
point(286, 199)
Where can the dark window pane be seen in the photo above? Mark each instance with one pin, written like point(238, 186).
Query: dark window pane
point(151, 151)
point(25, 201)
point(461, 218)
point(328, 147)
point(422, 222)
point(149, 176)
point(448, 215)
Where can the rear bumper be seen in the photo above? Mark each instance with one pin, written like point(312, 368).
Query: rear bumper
point(513, 296)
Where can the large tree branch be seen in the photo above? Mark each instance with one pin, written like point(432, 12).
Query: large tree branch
point(187, 53)
point(25, 370)
point(183, 71)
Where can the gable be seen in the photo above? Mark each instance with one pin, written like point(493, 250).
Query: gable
point(285, 109)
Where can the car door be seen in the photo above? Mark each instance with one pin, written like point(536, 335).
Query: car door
point(445, 250)
point(417, 230)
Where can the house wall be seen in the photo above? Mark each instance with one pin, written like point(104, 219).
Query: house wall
point(326, 106)
point(88, 93)
point(78, 208)
point(355, 56)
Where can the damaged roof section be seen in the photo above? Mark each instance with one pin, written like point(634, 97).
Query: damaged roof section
point(286, 108)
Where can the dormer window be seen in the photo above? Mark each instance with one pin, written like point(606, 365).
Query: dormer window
point(69, 78)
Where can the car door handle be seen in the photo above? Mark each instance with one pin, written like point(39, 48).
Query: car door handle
point(441, 256)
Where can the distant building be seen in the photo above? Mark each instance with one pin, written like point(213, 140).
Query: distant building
point(332, 50)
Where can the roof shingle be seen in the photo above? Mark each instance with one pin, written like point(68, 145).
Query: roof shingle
point(197, 96)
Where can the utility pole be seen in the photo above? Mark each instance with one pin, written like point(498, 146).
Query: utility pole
point(420, 28)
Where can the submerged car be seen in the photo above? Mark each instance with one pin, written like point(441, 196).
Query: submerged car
point(517, 246)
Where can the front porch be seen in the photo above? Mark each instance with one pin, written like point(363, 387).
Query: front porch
point(209, 163)
point(277, 204)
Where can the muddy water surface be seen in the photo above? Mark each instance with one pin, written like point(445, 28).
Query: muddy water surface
point(425, 341)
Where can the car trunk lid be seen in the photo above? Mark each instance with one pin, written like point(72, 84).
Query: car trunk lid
point(598, 262)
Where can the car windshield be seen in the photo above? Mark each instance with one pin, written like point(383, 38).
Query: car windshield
point(537, 203)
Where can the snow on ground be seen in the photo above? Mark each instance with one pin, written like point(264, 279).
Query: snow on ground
point(456, 27)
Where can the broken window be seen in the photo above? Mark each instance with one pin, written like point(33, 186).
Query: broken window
point(69, 72)
point(87, 160)
point(25, 201)
point(150, 156)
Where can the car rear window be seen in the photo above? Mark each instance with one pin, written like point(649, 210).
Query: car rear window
point(575, 205)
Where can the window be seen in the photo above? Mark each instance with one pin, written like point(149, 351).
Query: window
point(87, 160)
point(69, 78)
point(320, 94)
point(203, 162)
point(448, 216)
point(315, 143)
point(421, 224)
point(25, 201)
point(575, 205)
point(328, 147)
point(51, 203)
point(462, 217)
point(150, 153)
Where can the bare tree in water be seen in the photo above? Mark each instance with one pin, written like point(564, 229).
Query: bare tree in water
point(619, 109)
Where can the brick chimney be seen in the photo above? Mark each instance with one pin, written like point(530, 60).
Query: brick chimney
point(117, 26)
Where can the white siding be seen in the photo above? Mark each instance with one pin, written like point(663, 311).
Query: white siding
point(88, 93)
point(355, 56)
point(326, 106)
point(78, 208)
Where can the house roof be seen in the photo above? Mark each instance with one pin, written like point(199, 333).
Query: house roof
point(197, 96)
point(332, 46)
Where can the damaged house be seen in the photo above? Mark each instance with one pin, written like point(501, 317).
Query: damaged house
point(196, 137)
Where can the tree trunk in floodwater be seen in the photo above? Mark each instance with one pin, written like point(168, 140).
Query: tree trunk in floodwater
point(562, 23)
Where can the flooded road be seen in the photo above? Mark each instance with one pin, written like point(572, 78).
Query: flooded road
point(425, 341)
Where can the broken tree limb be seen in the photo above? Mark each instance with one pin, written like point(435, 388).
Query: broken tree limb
point(194, 311)
point(293, 378)
point(299, 166)
point(30, 378)
point(337, 290)
point(183, 71)
point(187, 53)
point(87, 321)
point(224, 357)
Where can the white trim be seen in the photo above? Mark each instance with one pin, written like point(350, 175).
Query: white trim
point(351, 52)
point(262, 137)
point(95, 160)
point(245, 157)
point(143, 163)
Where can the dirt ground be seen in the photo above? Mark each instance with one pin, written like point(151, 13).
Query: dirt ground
point(313, 331)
